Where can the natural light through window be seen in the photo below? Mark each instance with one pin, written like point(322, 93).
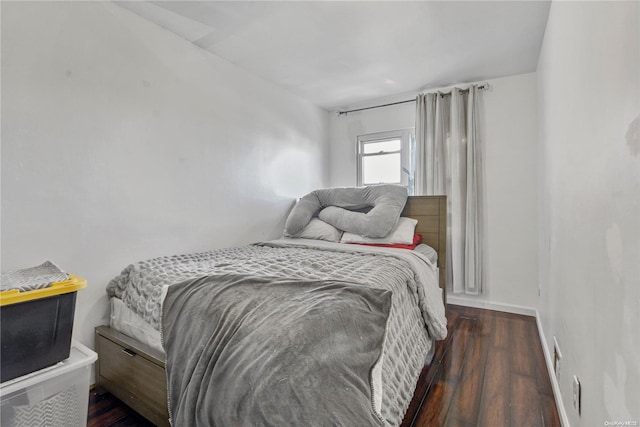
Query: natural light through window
point(383, 158)
point(375, 147)
point(381, 168)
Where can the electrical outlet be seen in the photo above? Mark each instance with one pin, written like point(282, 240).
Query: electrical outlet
point(577, 395)
point(557, 356)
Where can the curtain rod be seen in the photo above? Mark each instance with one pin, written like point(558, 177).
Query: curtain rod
point(483, 86)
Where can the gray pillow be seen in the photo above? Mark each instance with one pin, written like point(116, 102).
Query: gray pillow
point(319, 230)
point(340, 207)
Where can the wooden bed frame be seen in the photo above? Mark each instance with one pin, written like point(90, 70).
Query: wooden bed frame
point(135, 372)
point(431, 213)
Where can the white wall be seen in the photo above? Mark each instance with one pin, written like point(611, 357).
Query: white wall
point(121, 141)
point(343, 131)
point(510, 148)
point(589, 81)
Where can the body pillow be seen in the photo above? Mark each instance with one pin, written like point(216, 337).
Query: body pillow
point(342, 208)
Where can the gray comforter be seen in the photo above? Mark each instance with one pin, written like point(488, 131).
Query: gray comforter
point(415, 319)
point(245, 350)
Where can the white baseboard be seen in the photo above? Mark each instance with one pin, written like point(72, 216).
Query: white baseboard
point(489, 305)
point(562, 413)
point(527, 311)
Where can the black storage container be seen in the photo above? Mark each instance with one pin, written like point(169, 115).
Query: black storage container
point(36, 327)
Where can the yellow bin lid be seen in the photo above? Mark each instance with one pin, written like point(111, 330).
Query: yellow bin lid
point(15, 296)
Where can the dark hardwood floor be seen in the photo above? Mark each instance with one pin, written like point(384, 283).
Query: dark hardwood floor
point(105, 410)
point(489, 372)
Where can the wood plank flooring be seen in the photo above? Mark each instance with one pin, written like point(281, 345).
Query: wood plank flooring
point(105, 410)
point(490, 371)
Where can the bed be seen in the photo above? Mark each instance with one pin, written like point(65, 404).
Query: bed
point(396, 294)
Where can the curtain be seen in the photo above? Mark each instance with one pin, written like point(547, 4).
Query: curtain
point(448, 161)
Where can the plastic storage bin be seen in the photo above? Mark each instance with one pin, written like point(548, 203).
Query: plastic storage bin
point(58, 396)
point(36, 327)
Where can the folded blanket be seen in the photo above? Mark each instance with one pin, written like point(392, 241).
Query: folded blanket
point(250, 351)
point(29, 279)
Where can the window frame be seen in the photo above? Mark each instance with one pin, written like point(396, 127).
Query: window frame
point(406, 137)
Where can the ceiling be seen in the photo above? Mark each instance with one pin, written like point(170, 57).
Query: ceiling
point(341, 53)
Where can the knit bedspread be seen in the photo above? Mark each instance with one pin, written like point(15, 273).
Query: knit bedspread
point(416, 316)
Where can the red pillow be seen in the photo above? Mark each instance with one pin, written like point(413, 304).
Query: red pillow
point(416, 240)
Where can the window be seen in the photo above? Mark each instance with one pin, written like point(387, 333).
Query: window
point(385, 158)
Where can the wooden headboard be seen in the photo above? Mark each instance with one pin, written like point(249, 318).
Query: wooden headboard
point(431, 213)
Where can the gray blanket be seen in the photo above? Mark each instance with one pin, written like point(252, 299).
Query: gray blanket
point(244, 350)
point(32, 278)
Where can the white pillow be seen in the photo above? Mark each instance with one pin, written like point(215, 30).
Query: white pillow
point(401, 234)
point(319, 230)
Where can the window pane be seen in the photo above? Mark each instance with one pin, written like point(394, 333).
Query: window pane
point(378, 146)
point(381, 169)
